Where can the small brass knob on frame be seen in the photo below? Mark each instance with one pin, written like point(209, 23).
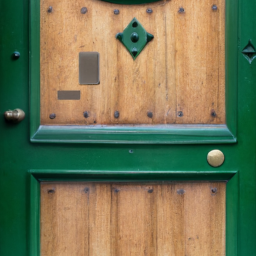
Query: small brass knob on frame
point(215, 158)
point(14, 116)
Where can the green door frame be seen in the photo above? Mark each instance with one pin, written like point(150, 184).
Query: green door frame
point(164, 157)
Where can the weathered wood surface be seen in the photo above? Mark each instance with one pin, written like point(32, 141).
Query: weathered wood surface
point(182, 69)
point(131, 219)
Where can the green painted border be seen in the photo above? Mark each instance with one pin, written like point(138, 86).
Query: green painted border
point(34, 217)
point(162, 134)
point(37, 176)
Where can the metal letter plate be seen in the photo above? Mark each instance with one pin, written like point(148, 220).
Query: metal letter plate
point(68, 95)
point(89, 71)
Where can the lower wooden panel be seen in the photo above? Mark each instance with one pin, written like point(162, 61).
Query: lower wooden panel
point(117, 219)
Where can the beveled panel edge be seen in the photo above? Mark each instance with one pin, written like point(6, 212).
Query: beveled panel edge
point(192, 134)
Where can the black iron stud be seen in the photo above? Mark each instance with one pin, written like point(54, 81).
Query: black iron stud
point(150, 114)
point(49, 9)
point(181, 191)
point(86, 114)
point(213, 113)
point(84, 10)
point(180, 113)
point(214, 7)
point(149, 10)
point(116, 114)
point(116, 11)
point(214, 190)
point(86, 190)
point(52, 116)
point(181, 10)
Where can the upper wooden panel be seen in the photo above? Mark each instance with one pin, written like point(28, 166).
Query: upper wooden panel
point(179, 76)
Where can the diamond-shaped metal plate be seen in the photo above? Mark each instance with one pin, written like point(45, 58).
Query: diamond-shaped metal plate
point(134, 38)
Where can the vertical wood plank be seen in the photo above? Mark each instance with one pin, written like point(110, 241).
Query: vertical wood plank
point(136, 220)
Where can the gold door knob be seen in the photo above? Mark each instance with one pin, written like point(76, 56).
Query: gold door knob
point(15, 115)
point(215, 158)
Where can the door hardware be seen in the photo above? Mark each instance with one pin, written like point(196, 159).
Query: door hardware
point(214, 7)
point(52, 116)
point(14, 116)
point(84, 10)
point(215, 158)
point(16, 55)
point(134, 38)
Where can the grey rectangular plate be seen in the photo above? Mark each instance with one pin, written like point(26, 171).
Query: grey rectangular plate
point(89, 71)
point(68, 95)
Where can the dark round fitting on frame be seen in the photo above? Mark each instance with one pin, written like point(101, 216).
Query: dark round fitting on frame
point(181, 10)
point(86, 114)
point(84, 10)
point(116, 114)
point(214, 190)
point(49, 9)
point(150, 114)
point(213, 113)
point(149, 10)
point(16, 55)
point(180, 113)
point(134, 37)
point(214, 7)
point(52, 116)
point(116, 11)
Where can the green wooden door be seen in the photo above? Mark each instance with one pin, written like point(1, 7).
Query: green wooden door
point(31, 153)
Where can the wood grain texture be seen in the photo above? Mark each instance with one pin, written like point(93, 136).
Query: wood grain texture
point(132, 219)
point(182, 69)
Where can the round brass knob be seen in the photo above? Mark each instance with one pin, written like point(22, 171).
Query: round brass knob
point(14, 116)
point(215, 158)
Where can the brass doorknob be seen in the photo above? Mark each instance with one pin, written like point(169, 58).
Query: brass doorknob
point(215, 158)
point(15, 115)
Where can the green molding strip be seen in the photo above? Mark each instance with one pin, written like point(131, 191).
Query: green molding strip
point(34, 218)
point(169, 134)
point(127, 176)
point(232, 195)
point(36, 176)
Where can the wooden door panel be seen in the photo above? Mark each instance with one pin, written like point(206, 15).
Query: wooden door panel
point(132, 219)
point(179, 76)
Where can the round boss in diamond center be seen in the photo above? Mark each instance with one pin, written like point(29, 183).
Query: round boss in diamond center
point(134, 37)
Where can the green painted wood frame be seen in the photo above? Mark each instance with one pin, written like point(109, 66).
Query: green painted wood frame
point(37, 176)
point(159, 134)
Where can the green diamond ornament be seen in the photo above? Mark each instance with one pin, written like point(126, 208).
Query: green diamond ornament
point(249, 52)
point(134, 38)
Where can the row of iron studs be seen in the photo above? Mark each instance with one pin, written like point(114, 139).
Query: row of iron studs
point(116, 114)
point(84, 10)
